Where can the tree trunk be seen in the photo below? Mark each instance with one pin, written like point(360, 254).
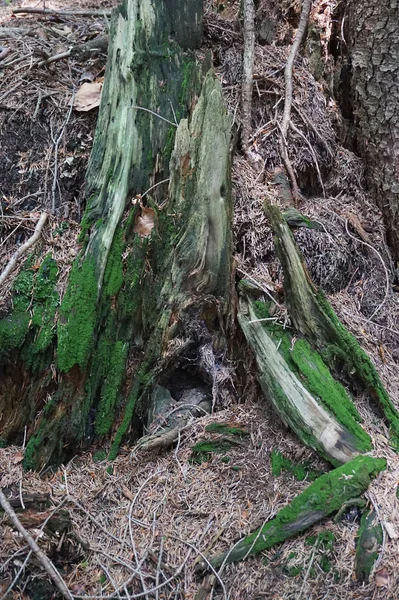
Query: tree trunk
point(374, 51)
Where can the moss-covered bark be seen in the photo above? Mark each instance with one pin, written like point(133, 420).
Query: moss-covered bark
point(136, 309)
point(368, 545)
point(314, 317)
point(322, 498)
point(301, 388)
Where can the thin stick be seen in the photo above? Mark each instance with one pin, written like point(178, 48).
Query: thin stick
point(47, 564)
point(248, 63)
point(22, 249)
point(65, 13)
point(155, 114)
point(56, 145)
point(288, 93)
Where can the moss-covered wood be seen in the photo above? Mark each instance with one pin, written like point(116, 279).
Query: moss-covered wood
point(368, 544)
point(136, 309)
point(301, 388)
point(314, 317)
point(322, 498)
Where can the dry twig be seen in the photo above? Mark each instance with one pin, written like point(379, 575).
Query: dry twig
point(288, 96)
point(47, 564)
point(22, 249)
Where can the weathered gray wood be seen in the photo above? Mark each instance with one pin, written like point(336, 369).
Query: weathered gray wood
point(314, 317)
point(315, 424)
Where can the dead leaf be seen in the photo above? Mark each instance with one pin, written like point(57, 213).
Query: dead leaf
point(17, 457)
point(144, 221)
point(382, 578)
point(127, 493)
point(88, 97)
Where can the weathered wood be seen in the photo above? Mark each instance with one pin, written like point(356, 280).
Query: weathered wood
point(314, 317)
point(301, 389)
point(137, 310)
point(108, 313)
point(322, 498)
point(368, 544)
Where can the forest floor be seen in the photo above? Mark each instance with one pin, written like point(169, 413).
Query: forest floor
point(144, 523)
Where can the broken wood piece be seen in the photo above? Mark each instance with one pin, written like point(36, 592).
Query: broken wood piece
point(313, 316)
point(300, 387)
point(368, 544)
point(322, 498)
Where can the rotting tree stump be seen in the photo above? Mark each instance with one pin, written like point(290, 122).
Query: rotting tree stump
point(139, 311)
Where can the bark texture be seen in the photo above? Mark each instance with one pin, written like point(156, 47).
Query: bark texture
point(374, 50)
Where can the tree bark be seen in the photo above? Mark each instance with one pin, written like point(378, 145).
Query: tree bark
point(374, 51)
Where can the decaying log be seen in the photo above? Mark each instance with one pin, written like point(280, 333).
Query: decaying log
point(314, 317)
point(322, 498)
point(302, 390)
point(369, 540)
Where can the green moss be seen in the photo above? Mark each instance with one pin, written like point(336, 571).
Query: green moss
point(77, 316)
point(113, 276)
point(225, 429)
point(100, 455)
point(110, 388)
point(368, 544)
point(359, 366)
point(3, 443)
point(314, 374)
point(202, 451)
point(13, 331)
point(32, 321)
point(300, 471)
point(322, 498)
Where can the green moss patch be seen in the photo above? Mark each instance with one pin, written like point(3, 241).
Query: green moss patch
point(77, 316)
point(300, 471)
point(226, 429)
point(30, 327)
point(316, 377)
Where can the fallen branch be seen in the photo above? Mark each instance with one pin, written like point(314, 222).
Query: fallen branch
point(45, 562)
point(322, 498)
point(22, 249)
point(62, 13)
point(288, 96)
point(313, 316)
point(248, 62)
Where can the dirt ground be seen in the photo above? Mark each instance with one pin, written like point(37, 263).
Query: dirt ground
point(138, 528)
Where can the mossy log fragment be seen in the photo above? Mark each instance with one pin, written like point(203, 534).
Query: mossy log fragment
point(368, 543)
point(300, 387)
point(314, 317)
point(322, 498)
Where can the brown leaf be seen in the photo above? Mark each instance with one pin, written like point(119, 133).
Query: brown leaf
point(127, 493)
point(87, 97)
point(144, 221)
point(17, 457)
point(382, 578)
